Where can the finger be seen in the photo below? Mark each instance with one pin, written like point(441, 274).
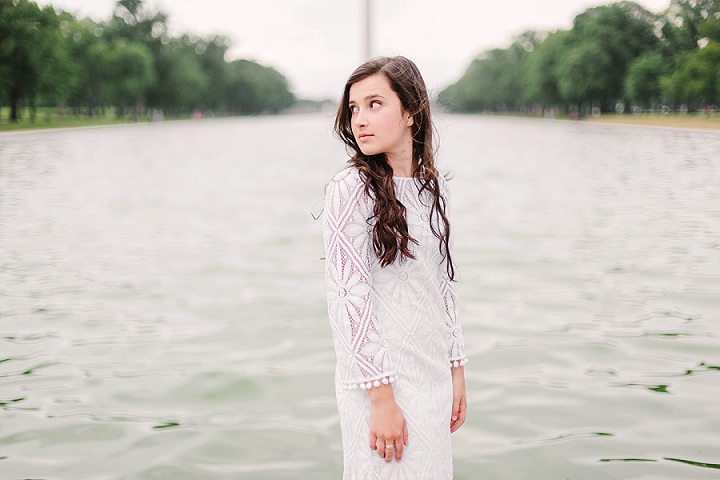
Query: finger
point(399, 448)
point(373, 441)
point(455, 409)
point(405, 434)
point(388, 451)
point(457, 420)
point(392, 452)
point(454, 426)
point(463, 411)
point(381, 450)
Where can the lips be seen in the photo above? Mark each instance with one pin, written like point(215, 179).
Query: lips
point(364, 136)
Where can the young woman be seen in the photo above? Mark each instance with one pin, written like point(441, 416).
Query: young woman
point(393, 309)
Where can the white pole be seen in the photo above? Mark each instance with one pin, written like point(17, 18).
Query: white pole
point(368, 29)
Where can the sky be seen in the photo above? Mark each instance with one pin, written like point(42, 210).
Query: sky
point(317, 44)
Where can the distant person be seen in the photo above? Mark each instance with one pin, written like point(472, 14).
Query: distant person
point(393, 309)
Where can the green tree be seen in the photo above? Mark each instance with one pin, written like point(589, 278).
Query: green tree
point(32, 60)
point(539, 77)
point(133, 22)
point(181, 82)
point(211, 57)
point(710, 26)
point(90, 59)
point(642, 83)
point(686, 21)
point(131, 73)
point(129, 61)
point(253, 88)
point(494, 80)
point(581, 73)
point(602, 44)
point(696, 78)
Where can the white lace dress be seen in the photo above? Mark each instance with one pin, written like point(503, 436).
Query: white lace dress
point(394, 324)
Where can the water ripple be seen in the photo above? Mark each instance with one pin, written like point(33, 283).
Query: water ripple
point(163, 308)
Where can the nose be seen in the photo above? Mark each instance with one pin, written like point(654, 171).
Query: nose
point(359, 118)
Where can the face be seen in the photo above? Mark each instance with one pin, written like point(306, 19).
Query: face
point(379, 123)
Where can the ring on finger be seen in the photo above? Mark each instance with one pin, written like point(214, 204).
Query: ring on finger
point(389, 446)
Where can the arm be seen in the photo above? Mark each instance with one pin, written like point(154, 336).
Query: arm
point(387, 424)
point(456, 356)
point(456, 344)
point(357, 334)
point(358, 337)
point(459, 399)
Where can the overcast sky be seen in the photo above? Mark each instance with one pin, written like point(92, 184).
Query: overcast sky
point(317, 44)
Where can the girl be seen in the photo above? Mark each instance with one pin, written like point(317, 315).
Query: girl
point(389, 273)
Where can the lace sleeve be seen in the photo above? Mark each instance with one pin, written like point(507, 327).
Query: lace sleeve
point(456, 343)
point(357, 334)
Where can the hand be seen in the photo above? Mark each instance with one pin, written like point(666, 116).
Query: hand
point(459, 399)
point(387, 424)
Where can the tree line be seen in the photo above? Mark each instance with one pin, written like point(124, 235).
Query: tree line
point(613, 55)
point(130, 62)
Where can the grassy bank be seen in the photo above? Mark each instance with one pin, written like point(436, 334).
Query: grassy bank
point(658, 120)
point(50, 118)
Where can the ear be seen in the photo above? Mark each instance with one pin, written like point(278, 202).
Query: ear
point(411, 120)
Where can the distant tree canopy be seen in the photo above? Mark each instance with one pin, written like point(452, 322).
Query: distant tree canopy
point(614, 53)
point(129, 62)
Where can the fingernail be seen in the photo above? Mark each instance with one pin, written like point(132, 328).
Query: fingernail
point(454, 418)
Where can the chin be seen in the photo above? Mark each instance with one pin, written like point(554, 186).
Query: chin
point(369, 151)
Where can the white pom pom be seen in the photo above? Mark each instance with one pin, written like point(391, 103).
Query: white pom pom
point(385, 381)
point(456, 364)
point(376, 383)
point(363, 386)
point(392, 379)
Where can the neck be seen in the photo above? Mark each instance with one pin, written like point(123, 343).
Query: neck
point(402, 165)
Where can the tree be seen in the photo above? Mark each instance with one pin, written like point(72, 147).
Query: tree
point(710, 28)
point(180, 79)
point(696, 77)
point(586, 64)
point(131, 69)
point(642, 83)
point(131, 60)
point(540, 77)
point(686, 21)
point(90, 61)
point(613, 36)
point(32, 60)
point(253, 88)
point(582, 73)
point(494, 80)
point(211, 56)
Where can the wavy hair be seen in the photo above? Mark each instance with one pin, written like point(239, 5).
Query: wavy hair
point(390, 235)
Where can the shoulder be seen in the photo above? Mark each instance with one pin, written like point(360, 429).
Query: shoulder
point(348, 182)
point(442, 184)
point(348, 176)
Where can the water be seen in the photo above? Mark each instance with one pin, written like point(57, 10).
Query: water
point(162, 308)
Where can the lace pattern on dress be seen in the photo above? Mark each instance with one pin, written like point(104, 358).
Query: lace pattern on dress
point(358, 337)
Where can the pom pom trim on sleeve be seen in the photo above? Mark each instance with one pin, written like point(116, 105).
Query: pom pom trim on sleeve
point(369, 383)
point(458, 362)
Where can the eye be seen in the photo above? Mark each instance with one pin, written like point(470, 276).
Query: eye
point(353, 108)
point(374, 104)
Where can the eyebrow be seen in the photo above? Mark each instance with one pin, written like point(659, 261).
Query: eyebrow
point(369, 97)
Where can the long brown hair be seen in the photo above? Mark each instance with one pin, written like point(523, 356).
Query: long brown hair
point(390, 237)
